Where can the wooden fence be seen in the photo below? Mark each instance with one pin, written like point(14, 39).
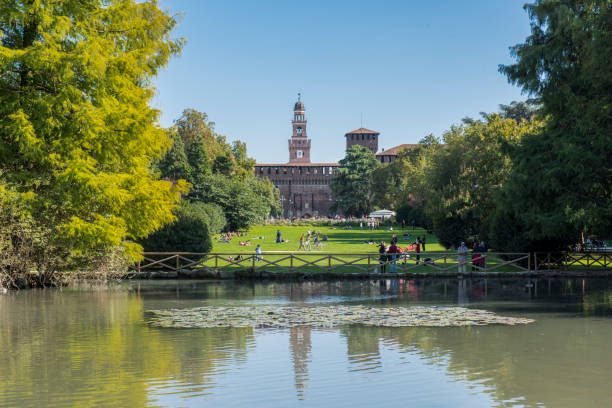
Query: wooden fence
point(572, 260)
point(443, 262)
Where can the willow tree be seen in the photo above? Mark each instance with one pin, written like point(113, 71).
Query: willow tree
point(77, 132)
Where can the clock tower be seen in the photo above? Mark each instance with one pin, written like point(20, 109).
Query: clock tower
point(299, 144)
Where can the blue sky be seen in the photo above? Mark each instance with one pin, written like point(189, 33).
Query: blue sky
point(410, 67)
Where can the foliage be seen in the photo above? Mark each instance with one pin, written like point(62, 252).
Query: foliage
point(561, 183)
point(220, 174)
point(464, 177)
point(212, 214)
point(189, 233)
point(402, 184)
point(351, 186)
point(409, 214)
point(244, 202)
point(77, 133)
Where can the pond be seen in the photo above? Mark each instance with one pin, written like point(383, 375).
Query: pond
point(95, 345)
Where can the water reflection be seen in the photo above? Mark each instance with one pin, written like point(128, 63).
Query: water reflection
point(91, 347)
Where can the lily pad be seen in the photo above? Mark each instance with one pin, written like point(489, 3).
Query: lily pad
point(327, 316)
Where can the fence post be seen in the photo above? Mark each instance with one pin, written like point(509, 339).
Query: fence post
point(329, 263)
point(138, 266)
point(216, 262)
point(177, 262)
point(529, 261)
point(291, 262)
point(535, 260)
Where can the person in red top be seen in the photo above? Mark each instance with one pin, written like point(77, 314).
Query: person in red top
point(417, 249)
point(393, 250)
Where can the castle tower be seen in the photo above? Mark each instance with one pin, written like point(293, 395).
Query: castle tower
point(299, 144)
point(365, 137)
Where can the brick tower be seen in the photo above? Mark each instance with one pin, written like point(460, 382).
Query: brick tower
point(365, 137)
point(299, 144)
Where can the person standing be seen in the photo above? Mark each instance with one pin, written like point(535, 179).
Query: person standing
point(307, 246)
point(301, 243)
point(258, 253)
point(394, 239)
point(423, 242)
point(382, 259)
point(393, 250)
point(417, 249)
point(462, 257)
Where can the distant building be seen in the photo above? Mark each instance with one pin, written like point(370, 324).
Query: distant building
point(364, 137)
point(304, 186)
point(387, 156)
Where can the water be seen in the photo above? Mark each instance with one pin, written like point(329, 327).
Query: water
point(90, 346)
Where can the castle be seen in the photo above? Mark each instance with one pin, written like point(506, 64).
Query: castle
point(304, 186)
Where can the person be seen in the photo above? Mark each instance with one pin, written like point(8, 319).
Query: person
point(278, 237)
point(382, 259)
point(462, 257)
point(258, 253)
point(417, 249)
point(483, 250)
point(394, 239)
point(301, 243)
point(361, 225)
point(307, 243)
point(317, 243)
point(393, 250)
point(423, 242)
point(475, 257)
point(403, 224)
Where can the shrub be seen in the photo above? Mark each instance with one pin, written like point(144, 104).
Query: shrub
point(189, 233)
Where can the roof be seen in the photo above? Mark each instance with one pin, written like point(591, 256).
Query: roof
point(362, 130)
point(297, 165)
point(395, 150)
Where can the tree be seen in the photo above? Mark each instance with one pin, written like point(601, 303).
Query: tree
point(524, 110)
point(77, 132)
point(188, 233)
point(561, 182)
point(175, 165)
point(463, 179)
point(351, 186)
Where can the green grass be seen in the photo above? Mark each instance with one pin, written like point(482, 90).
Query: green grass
point(339, 240)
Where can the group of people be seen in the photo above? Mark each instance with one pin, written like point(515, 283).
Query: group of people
point(226, 237)
point(389, 255)
point(478, 259)
point(316, 237)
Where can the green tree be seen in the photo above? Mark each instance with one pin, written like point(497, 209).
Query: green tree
point(77, 132)
point(175, 165)
point(464, 178)
point(188, 233)
point(351, 186)
point(561, 183)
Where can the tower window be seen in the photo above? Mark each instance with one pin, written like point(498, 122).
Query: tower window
point(300, 153)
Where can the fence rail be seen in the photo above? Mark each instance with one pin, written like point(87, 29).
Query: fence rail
point(577, 260)
point(442, 262)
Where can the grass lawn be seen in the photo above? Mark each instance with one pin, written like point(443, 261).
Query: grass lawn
point(339, 240)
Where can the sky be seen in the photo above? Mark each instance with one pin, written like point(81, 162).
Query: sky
point(402, 68)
